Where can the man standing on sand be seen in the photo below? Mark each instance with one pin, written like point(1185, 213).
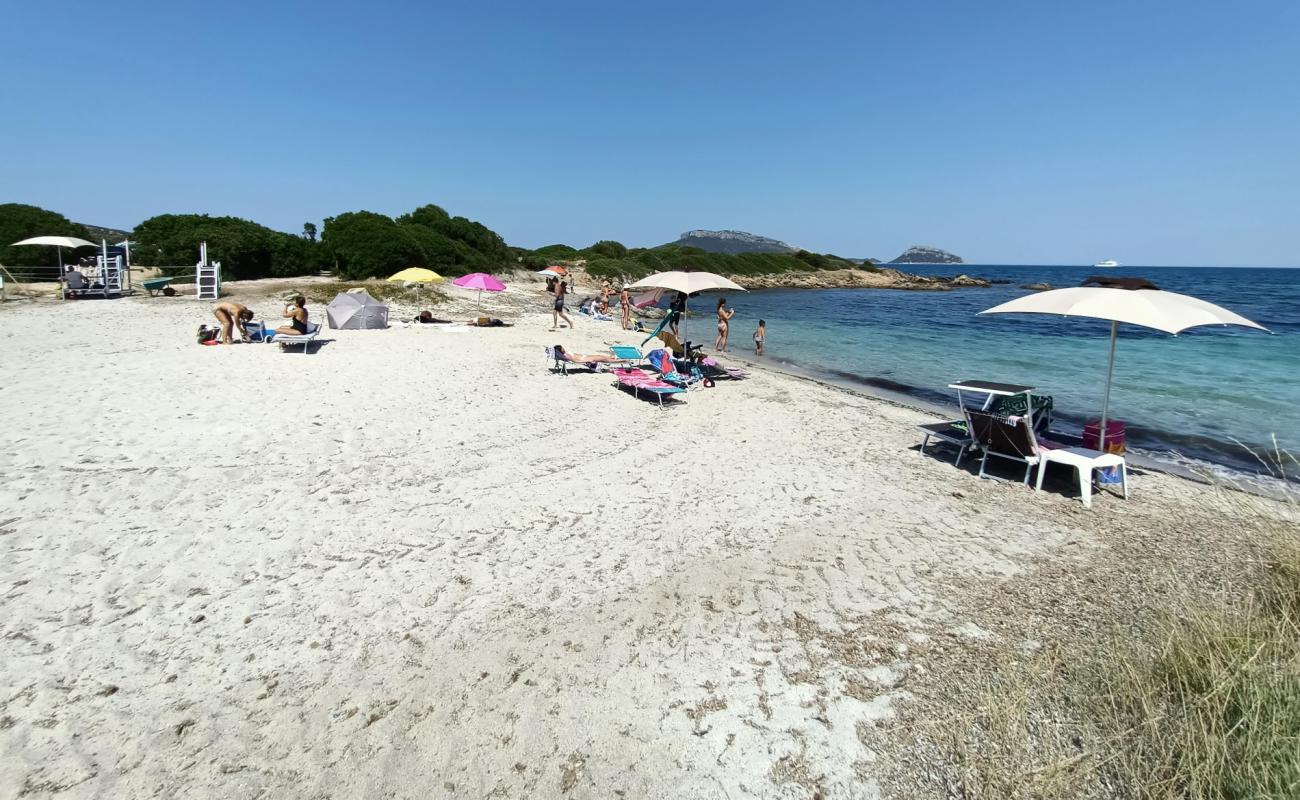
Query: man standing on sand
point(557, 313)
point(231, 314)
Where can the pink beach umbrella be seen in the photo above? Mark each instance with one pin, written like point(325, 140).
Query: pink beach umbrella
point(481, 281)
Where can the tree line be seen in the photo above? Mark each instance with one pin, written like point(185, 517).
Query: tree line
point(363, 244)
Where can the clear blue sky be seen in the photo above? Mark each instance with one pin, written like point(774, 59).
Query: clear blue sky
point(1008, 132)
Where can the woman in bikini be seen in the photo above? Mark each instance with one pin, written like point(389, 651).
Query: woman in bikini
point(584, 358)
point(625, 303)
point(232, 315)
point(297, 316)
point(724, 325)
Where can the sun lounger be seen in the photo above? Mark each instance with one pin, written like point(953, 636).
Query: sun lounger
point(954, 432)
point(625, 352)
point(660, 361)
point(712, 369)
point(638, 381)
point(563, 362)
point(304, 339)
point(1007, 438)
point(1013, 438)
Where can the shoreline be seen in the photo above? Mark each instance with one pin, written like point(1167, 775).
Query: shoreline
point(1259, 485)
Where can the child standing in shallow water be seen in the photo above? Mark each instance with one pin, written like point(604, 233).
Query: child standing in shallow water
point(760, 333)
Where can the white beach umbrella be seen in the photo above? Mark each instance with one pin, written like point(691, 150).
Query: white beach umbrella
point(56, 241)
point(687, 283)
point(1149, 307)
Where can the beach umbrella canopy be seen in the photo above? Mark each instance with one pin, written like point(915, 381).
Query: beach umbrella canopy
point(1144, 305)
point(356, 311)
point(688, 283)
point(56, 241)
point(481, 281)
point(417, 275)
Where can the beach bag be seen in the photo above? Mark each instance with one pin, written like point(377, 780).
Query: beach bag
point(208, 335)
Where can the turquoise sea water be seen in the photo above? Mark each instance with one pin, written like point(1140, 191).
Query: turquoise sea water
point(1191, 395)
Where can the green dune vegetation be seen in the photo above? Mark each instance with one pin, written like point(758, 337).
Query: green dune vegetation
point(359, 245)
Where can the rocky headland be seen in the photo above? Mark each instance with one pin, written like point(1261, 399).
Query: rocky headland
point(858, 279)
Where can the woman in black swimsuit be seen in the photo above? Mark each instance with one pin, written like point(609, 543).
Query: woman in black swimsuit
point(297, 316)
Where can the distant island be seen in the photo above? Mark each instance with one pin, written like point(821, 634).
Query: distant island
point(920, 254)
point(731, 242)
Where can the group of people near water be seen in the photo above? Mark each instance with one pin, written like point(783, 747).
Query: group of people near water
point(599, 308)
point(233, 315)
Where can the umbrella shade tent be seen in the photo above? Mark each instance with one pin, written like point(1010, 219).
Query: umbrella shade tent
point(356, 311)
point(481, 281)
point(1154, 308)
point(417, 275)
point(688, 283)
point(56, 241)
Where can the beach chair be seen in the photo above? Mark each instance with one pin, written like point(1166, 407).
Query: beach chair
point(625, 352)
point(76, 283)
point(639, 381)
point(563, 362)
point(304, 339)
point(660, 361)
point(710, 368)
point(1013, 439)
point(955, 432)
point(1007, 438)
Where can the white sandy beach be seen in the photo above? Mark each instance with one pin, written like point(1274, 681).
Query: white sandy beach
point(416, 563)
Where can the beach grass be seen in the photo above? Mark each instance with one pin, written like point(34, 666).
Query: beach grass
point(419, 294)
point(1200, 701)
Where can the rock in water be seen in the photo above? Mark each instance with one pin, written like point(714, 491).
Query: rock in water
point(918, 254)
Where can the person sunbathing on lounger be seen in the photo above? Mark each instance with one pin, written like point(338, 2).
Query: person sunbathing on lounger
point(585, 358)
point(231, 314)
point(297, 316)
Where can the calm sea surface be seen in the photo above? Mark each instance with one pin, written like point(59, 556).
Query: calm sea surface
point(1185, 396)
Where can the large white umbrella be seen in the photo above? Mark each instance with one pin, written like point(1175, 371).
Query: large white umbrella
point(688, 283)
point(1149, 307)
point(56, 241)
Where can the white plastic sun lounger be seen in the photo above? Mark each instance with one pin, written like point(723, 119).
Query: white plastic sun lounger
point(304, 339)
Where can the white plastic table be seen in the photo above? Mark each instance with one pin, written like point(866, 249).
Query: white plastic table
point(1084, 462)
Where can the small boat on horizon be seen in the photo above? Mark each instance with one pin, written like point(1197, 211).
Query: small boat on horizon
point(1110, 262)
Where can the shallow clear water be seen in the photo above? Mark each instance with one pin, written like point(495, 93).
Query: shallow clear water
point(1191, 394)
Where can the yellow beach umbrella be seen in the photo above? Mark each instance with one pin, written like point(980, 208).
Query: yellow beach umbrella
point(417, 275)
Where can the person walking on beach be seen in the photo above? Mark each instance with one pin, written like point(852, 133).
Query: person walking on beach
point(231, 314)
point(724, 325)
point(760, 334)
point(557, 314)
point(625, 303)
point(296, 313)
